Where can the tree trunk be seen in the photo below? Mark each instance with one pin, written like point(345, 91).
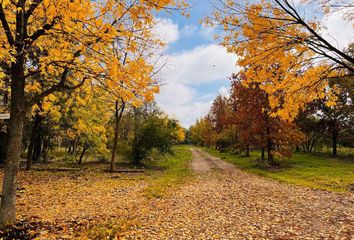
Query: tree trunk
point(297, 149)
point(16, 122)
point(37, 148)
point(85, 148)
point(31, 147)
point(45, 149)
point(247, 150)
point(262, 154)
point(334, 139)
point(69, 149)
point(270, 148)
point(135, 147)
point(30, 154)
point(75, 143)
point(118, 115)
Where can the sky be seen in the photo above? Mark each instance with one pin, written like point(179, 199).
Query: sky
point(198, 69)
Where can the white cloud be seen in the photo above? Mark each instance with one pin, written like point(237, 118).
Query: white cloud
point(339, 32)
point(181, 102)
point(202, 64)
point(166, 30)
point(224, 91)
point(186, 73)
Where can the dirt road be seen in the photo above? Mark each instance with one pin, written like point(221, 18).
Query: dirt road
point(231, 204)
point(203, 162)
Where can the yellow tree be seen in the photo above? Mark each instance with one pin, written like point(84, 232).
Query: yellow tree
point(128, 82)
point(47, 110)
point(89, 114)
point(283, 51)
point(56, 45)
point(130, 75)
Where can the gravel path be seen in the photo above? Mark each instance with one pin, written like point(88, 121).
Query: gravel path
point(226, 203)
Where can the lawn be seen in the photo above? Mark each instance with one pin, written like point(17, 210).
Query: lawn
point(175, 171)
point(317, 172)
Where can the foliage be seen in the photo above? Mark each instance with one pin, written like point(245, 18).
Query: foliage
point(201, 132)
point(243, 121)
point(153, 130)
point(282, 51)
point(329, 125)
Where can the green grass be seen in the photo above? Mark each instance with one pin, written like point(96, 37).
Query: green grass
point(174, 171)
point(316, 172)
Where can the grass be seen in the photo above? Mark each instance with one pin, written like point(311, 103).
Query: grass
point(162, 172)
point(317, 172)
point(174, 172)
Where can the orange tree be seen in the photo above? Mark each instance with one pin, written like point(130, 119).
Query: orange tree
point(56, 45)
point(281, 50)
point(257, 127)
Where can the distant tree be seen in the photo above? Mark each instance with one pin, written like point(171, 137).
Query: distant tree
point(201, 132)
point(338, 119)
point(152, 129)
point(219, 113)
point(249, 115)
point(245, 121)
point(311, 126)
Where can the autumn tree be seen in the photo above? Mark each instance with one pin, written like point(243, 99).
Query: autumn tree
point(245, 121)
point(130, 80)
point(201, 132)
point(145, 129)
point(42, 123)
point(219, 117)
point(249, 115)
point(56, 46)
point(218, 113)
point(287, 52)
point(257, 126)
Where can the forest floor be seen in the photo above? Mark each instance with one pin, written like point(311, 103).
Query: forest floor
point(215, 201)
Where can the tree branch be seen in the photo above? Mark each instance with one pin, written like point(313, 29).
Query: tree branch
point(6, 26)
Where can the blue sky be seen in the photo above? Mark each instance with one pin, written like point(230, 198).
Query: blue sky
point(198, 68)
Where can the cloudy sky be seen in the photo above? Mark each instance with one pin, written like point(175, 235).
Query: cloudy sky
point(198, 69)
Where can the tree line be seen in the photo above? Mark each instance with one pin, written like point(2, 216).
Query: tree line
point(243, 121)
point(294, 90)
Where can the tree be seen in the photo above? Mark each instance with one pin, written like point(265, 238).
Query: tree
point(338, 119)
point(257, 127)
point(249, 116)
point(201, 132)
point(218, 113)
point(56, 46)
point(288, 54)
point(245, 120)
point(310, 125)
point(281, 18)
point(130, 80)
point(153, 130)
